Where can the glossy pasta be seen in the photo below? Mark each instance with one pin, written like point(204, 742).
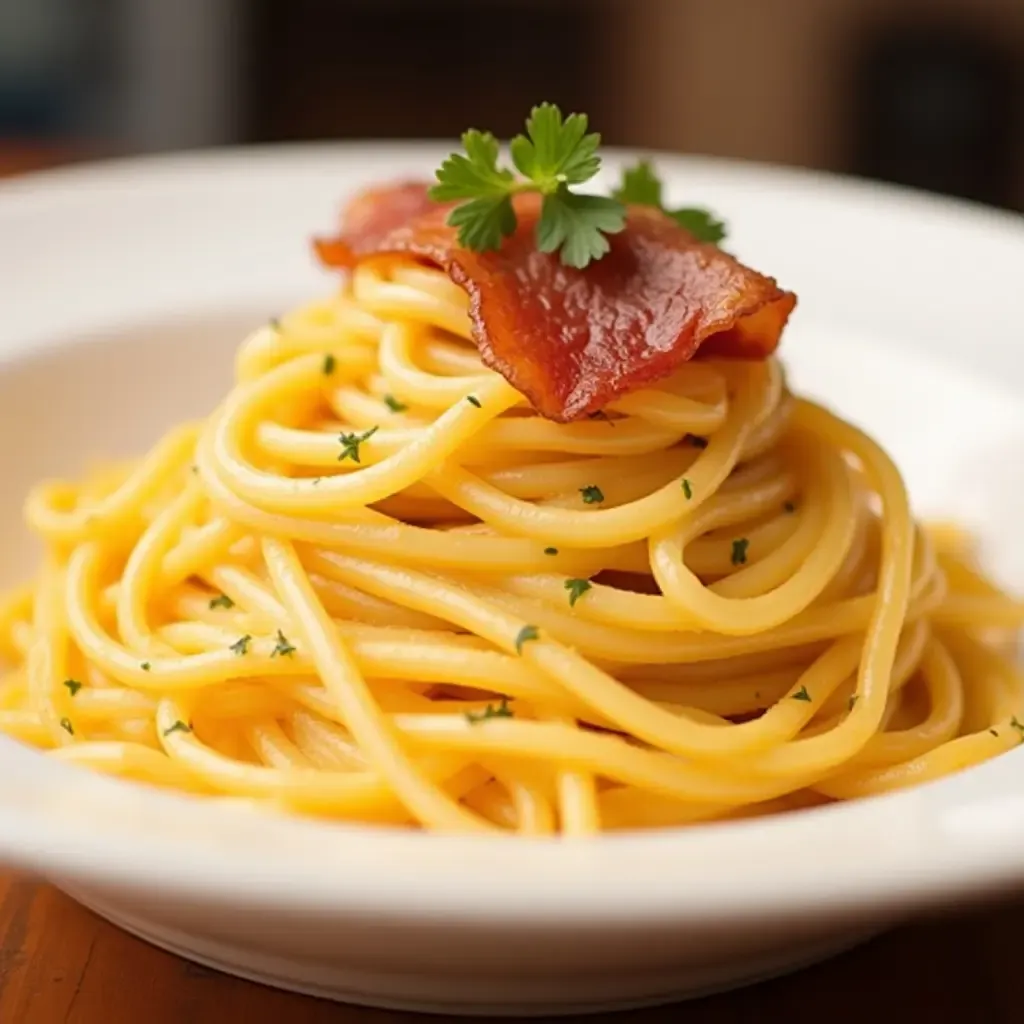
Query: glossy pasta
point(374, 586)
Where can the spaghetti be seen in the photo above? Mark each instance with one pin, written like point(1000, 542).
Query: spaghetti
point(376, 586)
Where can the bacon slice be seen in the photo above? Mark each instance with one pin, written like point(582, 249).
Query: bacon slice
point(573, 340)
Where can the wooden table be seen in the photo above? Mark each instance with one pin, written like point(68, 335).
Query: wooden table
point(60, 964)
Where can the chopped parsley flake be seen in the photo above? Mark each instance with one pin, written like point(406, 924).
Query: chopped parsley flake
point(329, 364)
point(241, 645)
point(551, 551)
point(577, 588)
point(802, 694)
point(145, 666)
point(1018, 726)
point(592, 494)
point(394, 404)
point(179, 726)
point(73, 686)
point(525, 634)
point(65, 724)
point(222, 602)
point(501, 711)
point(282, 648)
point(687, 489)
point(739, 551)
point(473, 400)
point(350, 444)
point(851, 701)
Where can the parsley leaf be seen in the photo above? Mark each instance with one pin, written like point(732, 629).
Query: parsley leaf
point(394, 404)
point(739, 551)
point(73, 686)
point(145, 666)
point(577, 588)
point(687, 489)
point(222, 602)
point(554, 150)
point(1017, 725)
point(703, 225)
point(329, 363)
point(802, 694)
point(592, 494)
point(179, 726)
point(484, 223)
point(641, 186)
point(474, 174)
point(577, 224)
point(526, 633)
point(65, 724)
point(350, 444)
point(473, 400)
point(501, 711)
point(551, 551)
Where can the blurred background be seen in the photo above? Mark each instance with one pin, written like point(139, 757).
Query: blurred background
point(928, 93)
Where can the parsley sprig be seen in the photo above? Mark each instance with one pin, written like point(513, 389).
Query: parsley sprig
point(640, 185)
point(554, 154)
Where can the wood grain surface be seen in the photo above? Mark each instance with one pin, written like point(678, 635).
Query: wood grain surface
point(60, 964)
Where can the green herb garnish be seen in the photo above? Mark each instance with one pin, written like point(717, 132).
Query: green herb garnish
point(592, 494)
point(223, 601)
point(282, 648)
point(551, 551)
point(350, 444)
point(640, 185)
point(241, 645)
point(394, 404)
point(554, 153)
point(329, 364)
point(525, 634)
point(687, 489)
point(473, 400)
point(739, 551)
point(65, 724)
point(145, 666)
point(501, 711)
point(73, 686)
point(179, 726)
point(851, 702)
point(577, 588)
point(802, 694)
point(1018, 726)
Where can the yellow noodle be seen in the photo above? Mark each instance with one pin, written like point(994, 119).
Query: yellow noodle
point(374, 586)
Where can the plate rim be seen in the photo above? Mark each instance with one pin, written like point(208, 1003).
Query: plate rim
point(44, 826)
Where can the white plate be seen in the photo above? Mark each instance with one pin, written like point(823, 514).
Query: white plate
point(124, 290)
